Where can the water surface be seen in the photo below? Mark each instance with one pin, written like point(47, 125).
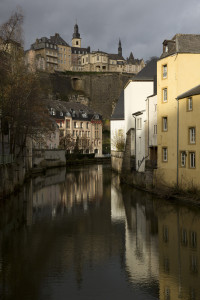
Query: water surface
point(77, 234)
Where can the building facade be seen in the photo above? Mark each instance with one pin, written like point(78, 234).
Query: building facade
point(54, 54)
point(79, 126)
point(178, 71)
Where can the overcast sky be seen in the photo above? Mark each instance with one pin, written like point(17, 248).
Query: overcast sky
point(142, 25)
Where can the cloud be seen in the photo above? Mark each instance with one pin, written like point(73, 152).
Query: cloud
point(142, 25)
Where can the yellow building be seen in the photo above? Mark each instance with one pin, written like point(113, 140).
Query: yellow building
point(177, 72)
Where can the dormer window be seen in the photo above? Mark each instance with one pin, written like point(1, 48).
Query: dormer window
point(61, 114)
point(166, 48)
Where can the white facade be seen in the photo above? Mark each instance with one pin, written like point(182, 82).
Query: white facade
point(151, 108)
point(135, 95)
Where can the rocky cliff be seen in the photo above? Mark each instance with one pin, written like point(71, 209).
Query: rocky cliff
point(100, 91)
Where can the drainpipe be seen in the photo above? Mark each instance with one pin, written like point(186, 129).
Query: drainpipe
point(135, 115)
point(135, 141)
point(177, 169)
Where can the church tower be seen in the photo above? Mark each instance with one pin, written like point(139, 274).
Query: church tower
point(76, 40)
point(120, 48)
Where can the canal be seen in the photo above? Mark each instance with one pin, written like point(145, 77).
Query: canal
point(78, 234)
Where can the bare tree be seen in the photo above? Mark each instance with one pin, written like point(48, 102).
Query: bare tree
point(21, 105)
point(67, 142)
point(118, 140)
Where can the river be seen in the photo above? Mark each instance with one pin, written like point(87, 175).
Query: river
point(78, 234)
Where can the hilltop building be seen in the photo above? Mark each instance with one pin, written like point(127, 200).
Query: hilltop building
point(54, 54)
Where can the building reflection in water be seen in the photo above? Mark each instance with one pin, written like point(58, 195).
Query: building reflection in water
point(179, 232)
point(141, 241)
point(67, 226)
point(64, 191)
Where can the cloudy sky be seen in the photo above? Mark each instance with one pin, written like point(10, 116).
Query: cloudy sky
point(142, 25)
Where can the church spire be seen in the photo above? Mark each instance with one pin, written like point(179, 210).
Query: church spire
point(120, 48)
point(76, 34)
point(76, 40)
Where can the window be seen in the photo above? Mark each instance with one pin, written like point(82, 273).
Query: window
point(189, 104)
point(61, 124)
point(167, 293)
point(164, 73)
point(165, 234)
point(165, 95)
point(67, 123)
point(193, 264)
point(166, 265)
point(61, 113)
point(97, 57)
point(164, 124)
point(193, 239)
point(75, 125)
point(192, 160)
point(183, 158)
point(184, 237)
point(81, 124)
point(192, 135)
point(139, 123)
point(164, 154)
point(87, 125)
point(155, 129)
point(166, 48)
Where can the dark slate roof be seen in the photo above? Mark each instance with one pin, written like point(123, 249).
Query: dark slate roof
point(118, 113)
point(192, 92)
point(82, 50)
point(115, 57)
point(148, 73)
point(182, 43)
point(56, 39)
point(75, 110)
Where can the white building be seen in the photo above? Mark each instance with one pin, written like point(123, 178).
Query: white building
point(135, 94)
point(151, 130)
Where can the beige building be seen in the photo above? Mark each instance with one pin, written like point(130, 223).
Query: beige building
point(43, 55)
point(77, 124)
point(64, 53)
point(77, 51)
point(62, 57)
point(99, 61)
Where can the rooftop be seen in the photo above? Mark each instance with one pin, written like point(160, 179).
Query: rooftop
point(181, 43)
point(192, 92)
point(118, 113)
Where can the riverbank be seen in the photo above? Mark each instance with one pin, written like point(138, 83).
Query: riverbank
point(173, 194)
point(13, 176)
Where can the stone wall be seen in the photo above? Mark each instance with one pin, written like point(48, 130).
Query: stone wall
point(99, 90)
point(11, 176)
point(117, 159)
point(46, 158)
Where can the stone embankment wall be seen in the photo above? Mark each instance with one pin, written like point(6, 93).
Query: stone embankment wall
point(128, 175)
point(100, 91)
point(47, 158)
point(117, 161)
point(11, 177)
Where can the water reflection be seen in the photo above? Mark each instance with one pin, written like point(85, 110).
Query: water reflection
point(179, 231)
point(78, 234)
